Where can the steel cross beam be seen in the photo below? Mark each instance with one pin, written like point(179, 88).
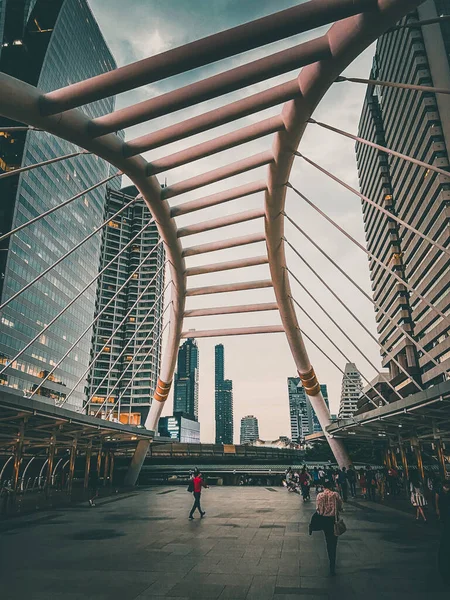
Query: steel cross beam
point(56, 113)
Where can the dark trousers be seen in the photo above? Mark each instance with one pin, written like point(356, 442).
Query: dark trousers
point(371, 492)
point(344, 488)
point(197, 496)
point(331, 541)
point(352, 488)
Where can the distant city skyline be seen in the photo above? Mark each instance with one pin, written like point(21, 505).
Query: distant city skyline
point(186, 389)
point(223, 396)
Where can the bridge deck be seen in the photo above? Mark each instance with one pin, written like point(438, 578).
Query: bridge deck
point(253, 544)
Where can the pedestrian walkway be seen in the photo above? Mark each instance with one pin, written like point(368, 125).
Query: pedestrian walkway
point(252, 544)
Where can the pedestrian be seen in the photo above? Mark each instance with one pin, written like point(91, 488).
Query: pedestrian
point(371, 483)
point(380, 477)
point(198, 483)
point(351, 478)
point(343, 483)
point(316, 478)
point(93, 487)
point(418, 499)
point(443, 513)
point(329, 505)
point(363, 483)
point(304, 480)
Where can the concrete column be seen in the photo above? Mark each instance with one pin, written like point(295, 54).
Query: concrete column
point(50, 463)
point(111, 467)
point(387, 458)
point(18, 451)
point(87, 467)
point(106, 468)
point(404, 460)
point(418, 453)
point(73, 455)
point(393, 459)
point(136, 462)
point(441, 458)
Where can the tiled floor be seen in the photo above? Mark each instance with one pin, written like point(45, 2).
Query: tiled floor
point(252, 544)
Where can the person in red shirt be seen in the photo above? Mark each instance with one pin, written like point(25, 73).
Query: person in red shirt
point(199, 483)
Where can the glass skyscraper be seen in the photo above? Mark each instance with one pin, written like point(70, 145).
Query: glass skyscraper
point(185, 393)
point(223, 400)
point(303, 419)
point(50, 45)
point(125, 359)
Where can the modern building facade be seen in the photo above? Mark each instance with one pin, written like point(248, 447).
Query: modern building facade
point(185, 391)
point(303, 419)
point(418, 125)
point(49, 44)
point(223, 400)
point(181, 428)
point(124, 376)
point(249, 429)
point(350, 392)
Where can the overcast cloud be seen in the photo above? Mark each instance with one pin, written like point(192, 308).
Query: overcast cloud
point(258, 365)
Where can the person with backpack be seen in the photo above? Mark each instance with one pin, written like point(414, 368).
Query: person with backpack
point(195, 485)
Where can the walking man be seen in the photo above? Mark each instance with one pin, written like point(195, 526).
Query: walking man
point(199, 483)
point(343, 485)
point(351, 478)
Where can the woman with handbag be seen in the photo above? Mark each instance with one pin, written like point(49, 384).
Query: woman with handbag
point(329, 505)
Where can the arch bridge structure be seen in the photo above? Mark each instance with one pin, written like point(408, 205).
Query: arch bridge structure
point(355, 24)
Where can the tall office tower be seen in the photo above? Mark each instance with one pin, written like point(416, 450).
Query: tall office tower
point(297, 409)
point(123, 378)
point(49, 44)
point(249, 429)
point(416, 124)
point(185, 391)
point(223, 400)
point(302, 416)
point(350, 391)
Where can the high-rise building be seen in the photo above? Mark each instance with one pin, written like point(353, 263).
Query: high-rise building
point(185, 392)
point(350, 391)
point(180, 428)
point(123, 378)
point(49, 45)
point(302, 416)
point(416, 124)
point(249, 429)
point(223, 400)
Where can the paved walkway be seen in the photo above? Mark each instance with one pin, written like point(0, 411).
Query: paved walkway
point(253, 544)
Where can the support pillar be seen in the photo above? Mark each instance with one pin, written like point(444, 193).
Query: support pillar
point(87, 467)
point(394, 463)
point(50, 463)
point(18, 451)
point(136, 462)
point(441, 458)
point(99, 463)
point(387, 458)
point(106, 468)
point(418, 453)
point(73, 455)
point(111, 468)
point(404, 460)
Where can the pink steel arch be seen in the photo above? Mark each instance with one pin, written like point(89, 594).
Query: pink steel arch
point(359, 23)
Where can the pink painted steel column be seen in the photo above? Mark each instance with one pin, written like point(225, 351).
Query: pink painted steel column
point(347, 39)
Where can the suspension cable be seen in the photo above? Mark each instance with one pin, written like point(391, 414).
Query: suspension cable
point(360, 140)
point(138, 369)
point(348, 310)
point(42, 164)
point(343, 273)
point(97, 317)
point(64, 256)
point(393, 84)
point(416, 24)
point(340, 351)
point(55, 208)
point(121, 322)
point(157, 322)
point(141, 324)
point(335, 323)
point(336, 347)
point(71, 302)
point(372, 203)
point(386, 268)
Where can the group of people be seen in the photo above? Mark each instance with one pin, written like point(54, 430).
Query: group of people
point(343, 479)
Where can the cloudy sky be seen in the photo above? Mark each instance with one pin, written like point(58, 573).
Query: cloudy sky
point(258, 365)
